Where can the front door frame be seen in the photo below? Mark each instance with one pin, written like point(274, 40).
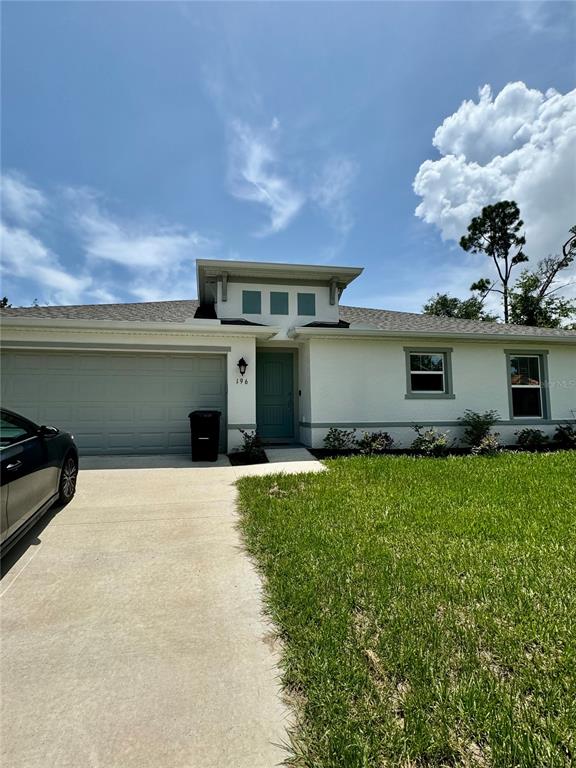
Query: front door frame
point(295, 392)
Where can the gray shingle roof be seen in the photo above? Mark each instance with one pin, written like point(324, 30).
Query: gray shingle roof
point(386, 320)
point(146, 311)
point(381, 319)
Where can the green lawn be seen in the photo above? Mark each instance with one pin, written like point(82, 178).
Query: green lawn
point(427, 608)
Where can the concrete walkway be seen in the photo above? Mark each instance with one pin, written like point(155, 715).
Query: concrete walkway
point(286, 458)
point(132, 633)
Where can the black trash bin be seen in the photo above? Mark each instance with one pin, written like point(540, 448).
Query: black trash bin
point(204, 435)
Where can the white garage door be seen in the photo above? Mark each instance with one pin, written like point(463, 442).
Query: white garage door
point(116, 403)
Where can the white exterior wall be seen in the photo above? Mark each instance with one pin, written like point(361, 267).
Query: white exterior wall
point(362, 383)
point(241, 394)
point(232, 308)
point(305, 399)
point(241, 397)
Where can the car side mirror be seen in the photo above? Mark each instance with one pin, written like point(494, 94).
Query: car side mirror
point(45, 431)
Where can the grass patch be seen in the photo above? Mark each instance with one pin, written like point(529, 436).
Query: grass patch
point(427, 608)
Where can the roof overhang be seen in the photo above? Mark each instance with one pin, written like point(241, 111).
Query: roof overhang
point(192, 327)
point(262, 271)
point(378, 333)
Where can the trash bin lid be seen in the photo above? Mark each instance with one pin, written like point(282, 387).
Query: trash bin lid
point(204, 414)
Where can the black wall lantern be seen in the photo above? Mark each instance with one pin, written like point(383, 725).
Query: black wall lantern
point(242, 365)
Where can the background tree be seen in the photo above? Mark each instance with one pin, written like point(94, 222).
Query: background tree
point(496, 233)
point(4, 303)
point(533, 300)
point(443, 305)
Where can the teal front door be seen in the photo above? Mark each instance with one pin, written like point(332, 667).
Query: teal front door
point(275, 395)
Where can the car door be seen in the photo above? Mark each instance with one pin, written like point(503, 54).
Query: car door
point(3, 509)
point(26, 480)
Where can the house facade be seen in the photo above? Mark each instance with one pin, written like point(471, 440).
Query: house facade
point(123, 377)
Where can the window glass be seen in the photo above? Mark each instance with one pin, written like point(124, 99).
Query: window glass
point(306, 303)
point(251, 302)
point(420, 362)
point(278, 303)
point(427, 383)
point(12, 430)
point(524, 371)
point(427, 372)
point(526, 401)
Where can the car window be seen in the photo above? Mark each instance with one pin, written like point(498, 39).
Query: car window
point(13, 429)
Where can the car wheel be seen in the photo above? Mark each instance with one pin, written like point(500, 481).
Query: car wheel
point(68, 477)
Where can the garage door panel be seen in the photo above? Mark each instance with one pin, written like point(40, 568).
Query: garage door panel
point(44, 363)
point(149, 388)
point(27, 387)
point(184, 364)
point(176, 415)
point(153, 440)
point(121, 440)
point(208, 387)
point(58, 413)
point(103, 412)
point(208, 366)
point(86, 365)
point(178, 388)
point(152, 413)
point(84, 388)
point(90, 442)
point(205, 389)
point(179, 442)
point(116, 403)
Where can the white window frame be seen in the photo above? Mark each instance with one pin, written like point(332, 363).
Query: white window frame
point(542, 378)
point(434, 394)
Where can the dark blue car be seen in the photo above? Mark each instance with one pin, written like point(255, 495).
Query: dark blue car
point(38, 468)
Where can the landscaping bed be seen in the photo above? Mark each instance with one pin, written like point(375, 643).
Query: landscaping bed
point(327, 453)
point(242, 458)
point(251, 451)
point(426, 608)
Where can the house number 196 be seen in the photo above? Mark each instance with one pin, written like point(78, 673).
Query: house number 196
point(241, 380)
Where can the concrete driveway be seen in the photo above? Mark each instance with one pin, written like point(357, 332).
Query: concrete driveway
point(132, 632)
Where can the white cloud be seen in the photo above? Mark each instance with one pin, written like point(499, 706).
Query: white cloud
point(21, 202)
point(26, 257)
point(531, 13)
point(136, 246)
point(103, 296)
point(493, 126)
point(150, 261)
point(331, 191)
point(520, 145)
point(159, 259)
point(253, 176)
point(544, 16)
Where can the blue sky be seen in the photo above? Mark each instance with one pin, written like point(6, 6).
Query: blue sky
point(138, 136)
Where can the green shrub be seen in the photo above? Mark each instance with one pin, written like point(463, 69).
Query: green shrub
point(251, 444)
point(565, 436)
point(531, 438)
point(375, 442)
point(340, 439)
point(477, 426)
point(431, 442)
point(489, 445)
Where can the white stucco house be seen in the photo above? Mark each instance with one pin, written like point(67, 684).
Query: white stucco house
point(123, 377)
